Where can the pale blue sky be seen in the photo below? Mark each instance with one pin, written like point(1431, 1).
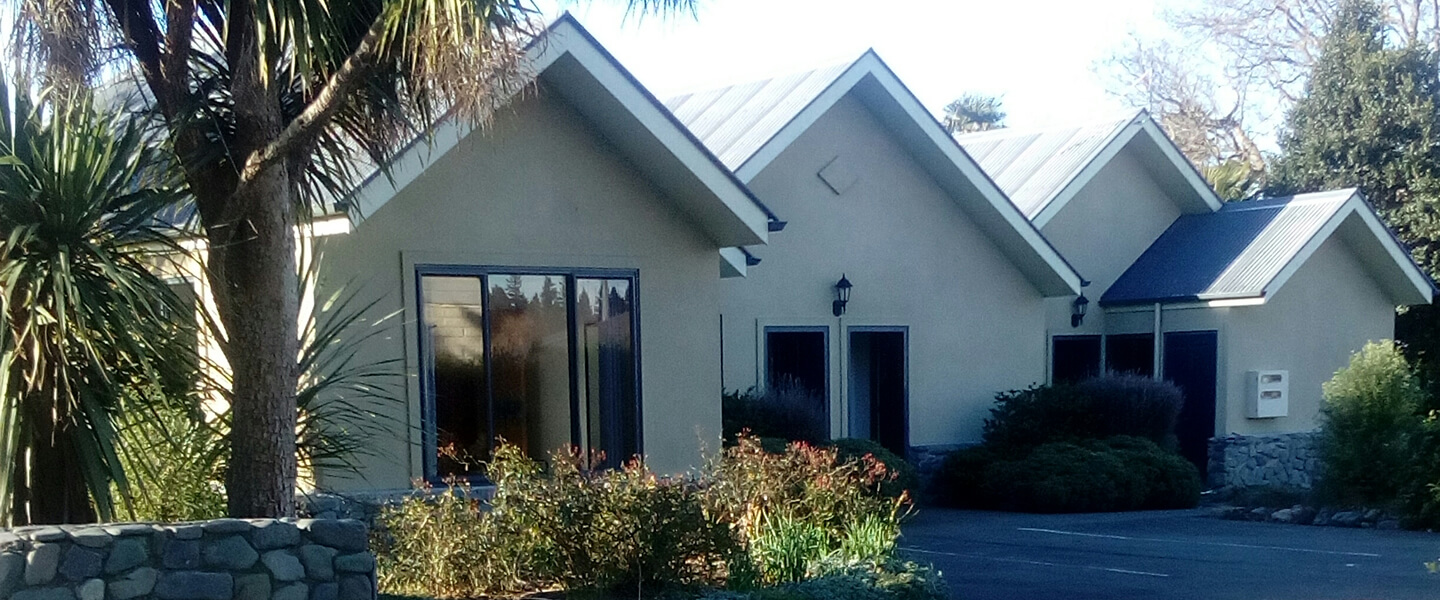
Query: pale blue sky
point(1038, 54)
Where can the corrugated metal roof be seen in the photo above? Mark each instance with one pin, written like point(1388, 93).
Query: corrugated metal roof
point(1032, 166)
point(1232, 253)
point(735, 121)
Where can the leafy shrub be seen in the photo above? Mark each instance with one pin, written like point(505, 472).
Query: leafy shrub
point(751, 517)
point(906, 477)
point(1039, 414)
point(1134, 405)
point(753, 489)
point(961, 478)
point(1368, 423)
point(622, 529)
point(1099, 408)
point(1065, 477)
point(1171, 481)
point(786, 410)
point(1119, 473)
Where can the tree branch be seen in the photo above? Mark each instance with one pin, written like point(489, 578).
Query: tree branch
point(180, 30)
point(305, 128)
point(137, 24)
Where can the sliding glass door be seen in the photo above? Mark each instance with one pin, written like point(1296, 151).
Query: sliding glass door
point(540, 359)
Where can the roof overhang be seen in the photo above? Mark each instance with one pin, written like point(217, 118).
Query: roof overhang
point(1388, 262)
point(1160, 157)
point(876, 86)
point(570, 63)
point(1356, 223)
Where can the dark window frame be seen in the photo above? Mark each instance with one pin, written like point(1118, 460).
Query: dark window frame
point(426, 360)
point(829, 375)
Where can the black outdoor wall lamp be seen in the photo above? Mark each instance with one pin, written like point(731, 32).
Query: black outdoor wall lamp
point(842, 295)
point(1077, 310)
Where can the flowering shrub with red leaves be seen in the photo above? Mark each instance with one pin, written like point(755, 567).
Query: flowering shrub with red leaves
point(748, 518)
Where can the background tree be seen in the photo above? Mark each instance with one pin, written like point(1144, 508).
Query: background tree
point(974, 112)
point(266, 106)
point(1369, 118)
point(83, 322)
point(1223, 72)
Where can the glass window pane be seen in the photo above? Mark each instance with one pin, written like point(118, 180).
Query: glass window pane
point(530, 361)
point(1076, 358)
point(604, 329)
point(797, 379)
point(454, 331)
point(1130, 353)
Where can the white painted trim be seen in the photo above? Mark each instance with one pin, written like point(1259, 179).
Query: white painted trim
point(1354, 205)
point(1117, 142)
point(732, 263)
point(567, 37)
point(1087, 171)
point(870, 65)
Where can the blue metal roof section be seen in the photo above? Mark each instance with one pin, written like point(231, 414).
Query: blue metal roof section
point(1235, 252)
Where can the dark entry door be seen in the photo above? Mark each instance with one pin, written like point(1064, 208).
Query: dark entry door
point(1190, 363)
point(878, 401)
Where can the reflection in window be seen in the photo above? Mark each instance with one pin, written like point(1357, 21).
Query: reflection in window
point(503, 364)
point(603, 318)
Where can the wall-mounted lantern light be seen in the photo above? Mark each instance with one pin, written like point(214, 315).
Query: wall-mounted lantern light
point(1077, 310)
point(842, 295)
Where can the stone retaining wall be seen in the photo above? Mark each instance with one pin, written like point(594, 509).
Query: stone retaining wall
point(1285, 460)
point(225, 559)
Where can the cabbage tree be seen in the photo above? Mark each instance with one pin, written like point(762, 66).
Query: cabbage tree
point(269, 106)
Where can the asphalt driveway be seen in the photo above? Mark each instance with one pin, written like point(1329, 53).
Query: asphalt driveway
point(1166, 554)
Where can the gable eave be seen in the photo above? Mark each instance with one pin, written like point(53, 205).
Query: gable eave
point(567, 59)
point(939, 153)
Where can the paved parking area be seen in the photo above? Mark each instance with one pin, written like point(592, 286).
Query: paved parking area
point(1166, 554)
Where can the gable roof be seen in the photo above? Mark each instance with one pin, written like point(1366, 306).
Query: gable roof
point(568, 61)
point(1248, 250)
point(749, 125)
point(1042, 169)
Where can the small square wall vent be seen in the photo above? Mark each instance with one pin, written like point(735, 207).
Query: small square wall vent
point(838, 175)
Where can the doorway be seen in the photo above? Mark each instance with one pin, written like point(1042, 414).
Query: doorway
point(879, 398)
point(1190, 363)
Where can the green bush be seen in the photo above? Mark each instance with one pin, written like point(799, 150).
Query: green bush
point(961, 478)
point(1119, 473)
point(1171, 481)
point(1369, 423)
point(606, 531)
point(750, 518)
point(1065, 477)
point(905, 476)
point(1098, 408)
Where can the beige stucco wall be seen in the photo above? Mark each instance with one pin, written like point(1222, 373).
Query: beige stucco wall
point(1324, 313)
point(1109, 223)
point(539, 189)
point(976, 326)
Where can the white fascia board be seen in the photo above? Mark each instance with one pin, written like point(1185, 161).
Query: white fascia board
point(566, 37)
point(1087, 171)
point(1356, 206)
point(1142, 123)
point(870, 65)
point(733, 263)
point(1183, 165)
